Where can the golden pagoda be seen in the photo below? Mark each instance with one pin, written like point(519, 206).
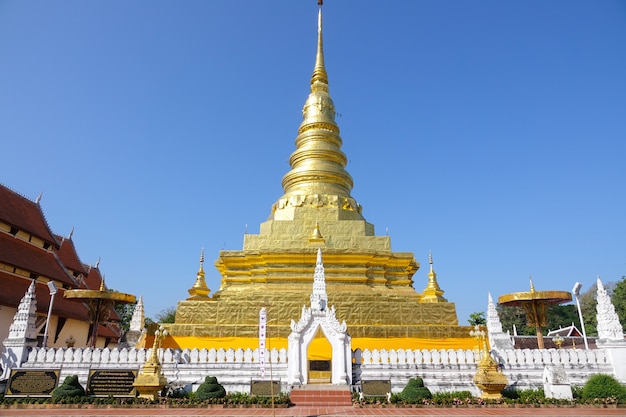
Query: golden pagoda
point(369, 284)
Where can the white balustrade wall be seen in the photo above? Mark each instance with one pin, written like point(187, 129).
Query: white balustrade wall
point(233, 368)
point(453, 370)
point(441, 370)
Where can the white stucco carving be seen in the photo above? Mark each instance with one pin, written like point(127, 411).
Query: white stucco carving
point(22, 333)
point(319, 316)
point(609, 327)
point(498, 340)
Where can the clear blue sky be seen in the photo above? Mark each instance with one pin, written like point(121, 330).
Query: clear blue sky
point(490, 132)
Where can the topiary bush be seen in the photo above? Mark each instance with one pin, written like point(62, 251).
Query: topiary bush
point(69, 388)
point(603, 386)
point(210, 388)
point(415, 391)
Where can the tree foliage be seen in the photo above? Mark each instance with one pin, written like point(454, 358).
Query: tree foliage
point(619, 300)
point(514, 317)
point(557, 316)
point(125, 311)
point(166, 316)
point(477, 318)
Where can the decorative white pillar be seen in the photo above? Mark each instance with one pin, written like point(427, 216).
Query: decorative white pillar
point(22, 334)
point(611, 333)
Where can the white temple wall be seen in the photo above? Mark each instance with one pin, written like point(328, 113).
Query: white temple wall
point(441, 370)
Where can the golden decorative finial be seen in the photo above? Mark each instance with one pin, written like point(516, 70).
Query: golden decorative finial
point(102, 287)
point(532, 286)
point(317, 234)
point(432, 293)
point(319, 72)
point(199, 289)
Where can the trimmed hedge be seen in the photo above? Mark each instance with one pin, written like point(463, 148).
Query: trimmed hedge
point(69, 388)
point(415, 391)
point(210, 388)
point(603, 386)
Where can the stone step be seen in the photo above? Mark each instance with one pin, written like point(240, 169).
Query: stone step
point(321, 396)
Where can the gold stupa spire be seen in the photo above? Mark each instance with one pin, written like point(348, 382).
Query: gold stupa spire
point(199, 289)
point(317, 178)
point(432, 292)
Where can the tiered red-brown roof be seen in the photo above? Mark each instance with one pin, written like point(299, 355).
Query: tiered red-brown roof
point(20, 212)
point(29, 250)
point(69, 258)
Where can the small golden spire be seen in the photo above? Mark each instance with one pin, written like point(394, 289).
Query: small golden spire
point(432, 292)
point(102, 287)
point(316, 237)
point(316, 231)
point(199, 289)
point(532, 286)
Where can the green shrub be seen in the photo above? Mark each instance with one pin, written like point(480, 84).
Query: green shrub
point(69, 388)
point(415, 391)
point(210, 388)
point(604, 386)
point(522, 396)
point(452, 397)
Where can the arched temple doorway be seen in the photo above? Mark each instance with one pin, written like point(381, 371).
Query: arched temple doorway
point(319, 357)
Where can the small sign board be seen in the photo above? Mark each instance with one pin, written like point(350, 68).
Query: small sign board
point(111, 382)
point(32, 382)
point(265, 388)
point(375, 388)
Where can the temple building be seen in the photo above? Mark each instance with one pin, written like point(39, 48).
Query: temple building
point(369, 285)
point(31, 252)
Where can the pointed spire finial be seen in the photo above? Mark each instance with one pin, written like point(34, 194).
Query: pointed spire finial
point(532, 286)
point(319, 72)
point(38, 199)
point(102, 287)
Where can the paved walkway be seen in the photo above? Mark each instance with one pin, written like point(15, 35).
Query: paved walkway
point(318, 411)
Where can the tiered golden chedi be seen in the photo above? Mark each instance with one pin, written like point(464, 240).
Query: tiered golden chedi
point(369, 285)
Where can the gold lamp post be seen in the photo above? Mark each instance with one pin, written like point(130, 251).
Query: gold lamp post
point(558, 341)
point(488, 376)
point(151, 380)
point(535, 304)
point(99, 303)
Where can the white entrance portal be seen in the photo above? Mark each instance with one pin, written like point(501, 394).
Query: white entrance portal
point(319, 316)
